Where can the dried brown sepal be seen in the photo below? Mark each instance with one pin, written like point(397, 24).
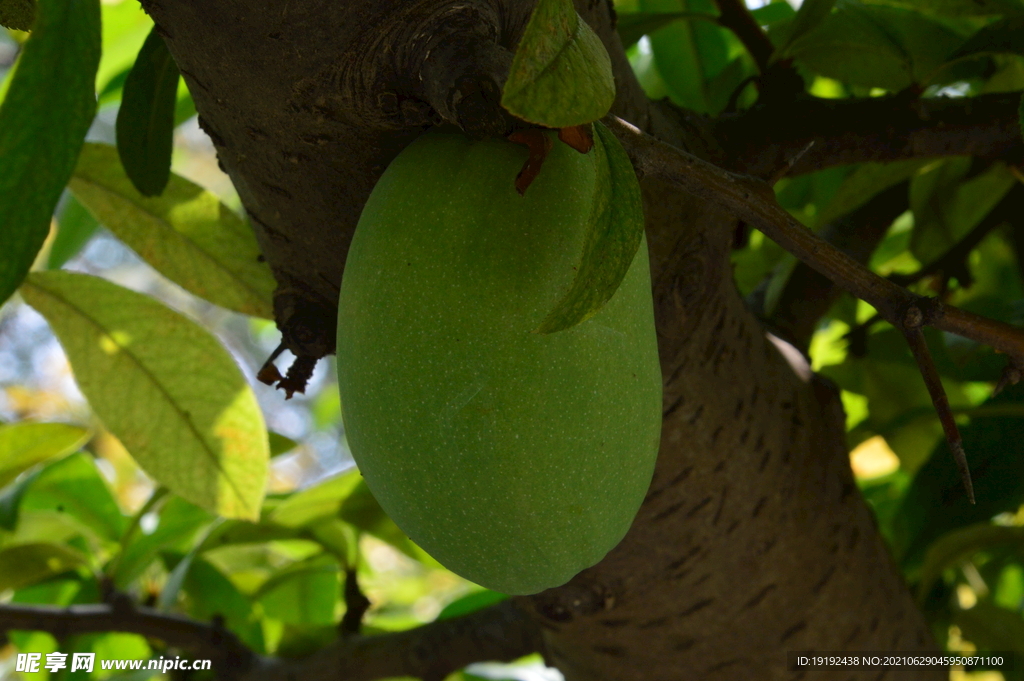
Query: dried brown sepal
point(298, 376)
point(540, 146)
point(1011, 375)
point(268, 373)
point(579, 137)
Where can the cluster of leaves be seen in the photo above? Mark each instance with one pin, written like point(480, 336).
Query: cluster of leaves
point(209, 542)
point(952, 238)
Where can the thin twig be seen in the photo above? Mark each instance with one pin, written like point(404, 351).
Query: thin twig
point(737, 18)
point(753, 201)
point(919, 347)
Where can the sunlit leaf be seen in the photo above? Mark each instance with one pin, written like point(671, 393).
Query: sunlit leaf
point(43, 120)
point(210, 594)
point(561, 75)
point(186, 233)
point(615, 234)
point(74, 487)
point(23, 445)
point(957, 546)
point(179, 523)
point(320, 501)
point(25, 564)
point(632, 27)
point(145, 119)
point(362, 510)
point(164, 386)
point(304, 593)
point(471, 603)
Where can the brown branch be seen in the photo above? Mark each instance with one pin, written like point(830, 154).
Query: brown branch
point(431, 652)
point(735, 16)
point(753, 201)
point(848, 131)
point(231, 657)
point(808, 294)
point(919, 347)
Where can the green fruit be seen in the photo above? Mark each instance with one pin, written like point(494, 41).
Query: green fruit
point(515, 459)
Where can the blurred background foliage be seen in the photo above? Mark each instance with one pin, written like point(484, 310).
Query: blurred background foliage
point(77, 513)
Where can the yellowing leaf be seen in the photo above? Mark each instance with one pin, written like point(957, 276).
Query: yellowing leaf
point(25, 444)
point(164, 386)
point(561, 75)
point(186, 233)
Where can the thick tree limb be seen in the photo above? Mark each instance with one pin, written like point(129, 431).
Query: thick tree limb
point(877, 129)
point(205, 640)
point(431, 652)
point(501, 632)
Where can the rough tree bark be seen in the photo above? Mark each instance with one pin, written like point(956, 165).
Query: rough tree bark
point(753, 539)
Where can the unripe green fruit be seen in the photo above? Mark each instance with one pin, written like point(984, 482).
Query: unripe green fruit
point(515, 459)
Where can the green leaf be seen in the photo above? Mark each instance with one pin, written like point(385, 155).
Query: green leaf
point(179, 523)
point(1003, 36)
point(864, 183)
point(810, 15)
point(689, 54)
point(22, 445)
point(186, 233)
point(946, 207)
point(320, 501)
point(164, 386)
point(75, 227)
point(632, 27)
point(362, 510)
point(957, 546)
point(43, 120)
point(10, 501)
point(145, 121)
point(471, 603)
point(26, 564)
point(279, 444)
point(561, 75)
point(961, 8)
point(74, 487)
point(176, 579)
point(615, 234)
point(17, 14)
point(935, 503)
point(209, 594)
point(305, 593)
point(875, 46)
point(992, 628)
point(772, 12)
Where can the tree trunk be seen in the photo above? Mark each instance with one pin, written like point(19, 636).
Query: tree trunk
point(753, 540)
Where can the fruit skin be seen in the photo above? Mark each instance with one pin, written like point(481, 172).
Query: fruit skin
point(515, 459)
